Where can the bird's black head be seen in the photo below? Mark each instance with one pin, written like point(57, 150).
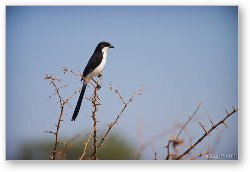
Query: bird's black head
point(104, 44)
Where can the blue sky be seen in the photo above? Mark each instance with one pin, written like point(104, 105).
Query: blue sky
point(180, 56)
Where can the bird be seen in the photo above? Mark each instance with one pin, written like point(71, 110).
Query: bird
point(93, 68)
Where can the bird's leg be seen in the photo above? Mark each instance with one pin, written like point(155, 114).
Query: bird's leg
point(100, 75)
point(98, 85)
point(100, 80)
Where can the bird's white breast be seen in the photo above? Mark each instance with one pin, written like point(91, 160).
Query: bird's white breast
point(99, 68)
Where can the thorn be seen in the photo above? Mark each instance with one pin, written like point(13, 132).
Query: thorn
point(235, 109)
point(223, 122)
point(227, 112)
point(50, 132)
point(203, 128)
point(211, 121)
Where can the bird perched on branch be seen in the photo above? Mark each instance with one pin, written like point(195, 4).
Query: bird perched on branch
point(94, 68)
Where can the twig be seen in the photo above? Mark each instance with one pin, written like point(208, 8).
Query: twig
point(119, 96)
point(117, 118)
point(176, 141)
point(190, 118)
point(207, 133)
point(202, 153)
point(203, 127)
point(85, 146)
point(58, 125)
point(95, 105)
point(76, 74)
point(210, 120)
point(168, 151)
point(144, 145)
point(155, 153)
point(112, 124)
point(71, 96)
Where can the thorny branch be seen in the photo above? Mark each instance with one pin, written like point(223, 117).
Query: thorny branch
point(53, 81)
point(76, 74)
point(112, 124)
point(176, 140)
point(155, 154)
point(85, 146)
point(93, 135)
point(151, 141)
point(207, 132)
point(189, 119)
point(95, 105)
point(201, 154)
point(62, 101)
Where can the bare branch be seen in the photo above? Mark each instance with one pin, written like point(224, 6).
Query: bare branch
point(212, 124)
point(155, 153)
point(53, 81)
point(112, 124)
point(168, 150)
point(95, 105)
point(203, 127)
point(206, 133)
point(85, 146)
point(76, 74)
point(50, 132)
point(178, 141)
point(201, 154)
point(190, 118)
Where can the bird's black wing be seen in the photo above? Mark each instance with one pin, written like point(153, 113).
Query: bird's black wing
point(93, 62)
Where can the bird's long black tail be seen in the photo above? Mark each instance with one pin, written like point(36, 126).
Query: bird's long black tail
point(79, 102)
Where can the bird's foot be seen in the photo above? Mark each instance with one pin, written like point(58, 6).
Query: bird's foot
point(98, 86)
point(100, 75)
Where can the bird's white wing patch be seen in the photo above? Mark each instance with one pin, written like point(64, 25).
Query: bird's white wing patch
point(99, 68)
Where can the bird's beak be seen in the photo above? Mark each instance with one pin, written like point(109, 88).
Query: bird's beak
point(111, 46)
